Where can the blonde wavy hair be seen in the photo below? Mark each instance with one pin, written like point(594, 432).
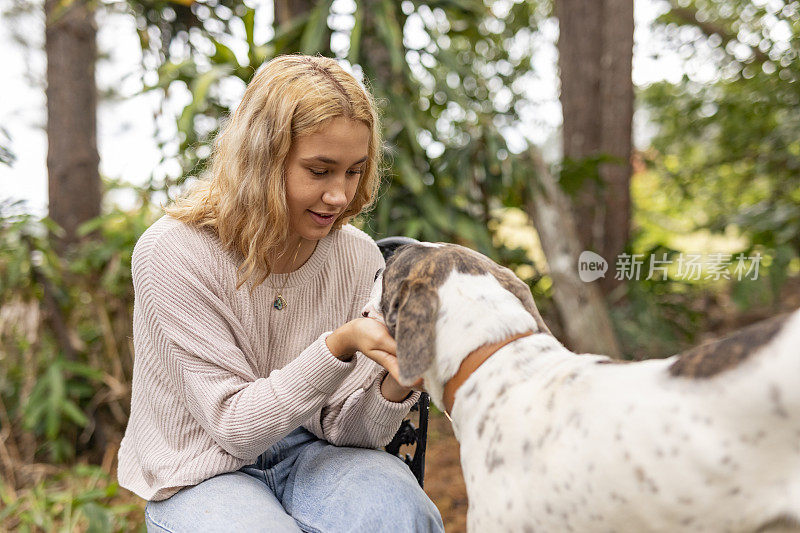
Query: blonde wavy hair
point(243, 199)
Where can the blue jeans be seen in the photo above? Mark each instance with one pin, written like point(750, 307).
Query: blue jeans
point(303, 483)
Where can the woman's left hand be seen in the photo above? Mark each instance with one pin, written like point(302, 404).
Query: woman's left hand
point(394, 392)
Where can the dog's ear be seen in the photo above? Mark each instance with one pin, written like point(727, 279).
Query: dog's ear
point(520, 289)
point(415, 331)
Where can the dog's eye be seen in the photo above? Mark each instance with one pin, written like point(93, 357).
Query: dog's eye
point(378, 273)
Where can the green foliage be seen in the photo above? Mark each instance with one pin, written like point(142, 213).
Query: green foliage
point(728, 149)
point(445, 104)
point(64, 333)
point(574, 172)
point(54, 404)
point(724, 161)
point(82, 498)
point(656, 317)
point(165, 26)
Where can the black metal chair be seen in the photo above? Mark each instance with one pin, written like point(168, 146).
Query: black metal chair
point(409, 434)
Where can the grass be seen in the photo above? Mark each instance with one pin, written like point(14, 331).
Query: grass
point(78, 498)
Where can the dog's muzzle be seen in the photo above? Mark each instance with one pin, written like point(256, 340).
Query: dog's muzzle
point(372, 309)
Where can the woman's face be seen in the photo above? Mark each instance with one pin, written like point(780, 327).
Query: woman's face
point(322, 174)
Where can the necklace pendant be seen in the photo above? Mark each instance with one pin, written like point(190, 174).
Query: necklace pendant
point(279, 303)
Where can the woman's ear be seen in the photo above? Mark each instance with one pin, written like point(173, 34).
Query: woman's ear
point(415, 332)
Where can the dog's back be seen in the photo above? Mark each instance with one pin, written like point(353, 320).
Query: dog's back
point(562, 442)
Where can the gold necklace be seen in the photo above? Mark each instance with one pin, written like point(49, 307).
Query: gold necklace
point(280, 302)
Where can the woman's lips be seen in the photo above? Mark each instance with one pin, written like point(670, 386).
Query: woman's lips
point(322, 220)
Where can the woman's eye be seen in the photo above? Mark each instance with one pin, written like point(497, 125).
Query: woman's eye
point(316, 172)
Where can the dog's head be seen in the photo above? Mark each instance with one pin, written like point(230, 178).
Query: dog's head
point(442, 301)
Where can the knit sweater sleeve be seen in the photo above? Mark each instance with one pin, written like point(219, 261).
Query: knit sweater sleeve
point(197, 336)
point(364, 417)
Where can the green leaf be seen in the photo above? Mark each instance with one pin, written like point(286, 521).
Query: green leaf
point(72, 412)
point(249, 20)
point(56, 398)
point(317, 28)
point(413, 228)
point(436, 213)
point(170, 72)
point(100, 518)
point(223, 55)
point(389, 27)
point(409, 175)
point(82, 369)
point(199, 104)
point(355, 35)
point(91, 225)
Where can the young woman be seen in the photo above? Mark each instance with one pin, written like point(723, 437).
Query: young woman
point(251, 410)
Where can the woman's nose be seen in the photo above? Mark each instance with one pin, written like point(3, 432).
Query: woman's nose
point(336, 194)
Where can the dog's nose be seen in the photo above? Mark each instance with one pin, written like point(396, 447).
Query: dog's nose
point(371, 311)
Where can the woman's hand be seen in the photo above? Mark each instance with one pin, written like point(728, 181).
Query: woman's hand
point(394, 392)
point(364, 335)
point(371, 338)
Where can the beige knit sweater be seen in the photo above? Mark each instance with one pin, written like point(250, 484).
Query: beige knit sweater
point(220, 375)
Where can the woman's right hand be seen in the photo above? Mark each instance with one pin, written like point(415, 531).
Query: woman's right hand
point(364, 335)
point(370, 337)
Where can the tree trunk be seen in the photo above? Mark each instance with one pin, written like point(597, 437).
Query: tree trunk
point(74, 187)
point(579, 57)
point(595, 56)
point(581, 305)
point(616, 104)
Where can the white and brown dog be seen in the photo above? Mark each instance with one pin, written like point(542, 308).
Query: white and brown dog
point(551, 441)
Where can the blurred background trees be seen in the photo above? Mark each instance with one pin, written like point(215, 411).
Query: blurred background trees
point(718, 173)
point(727, 147)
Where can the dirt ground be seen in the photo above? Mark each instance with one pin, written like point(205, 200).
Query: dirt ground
point(444, 482)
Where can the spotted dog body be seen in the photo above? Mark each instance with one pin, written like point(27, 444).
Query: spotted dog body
point(553, 441)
